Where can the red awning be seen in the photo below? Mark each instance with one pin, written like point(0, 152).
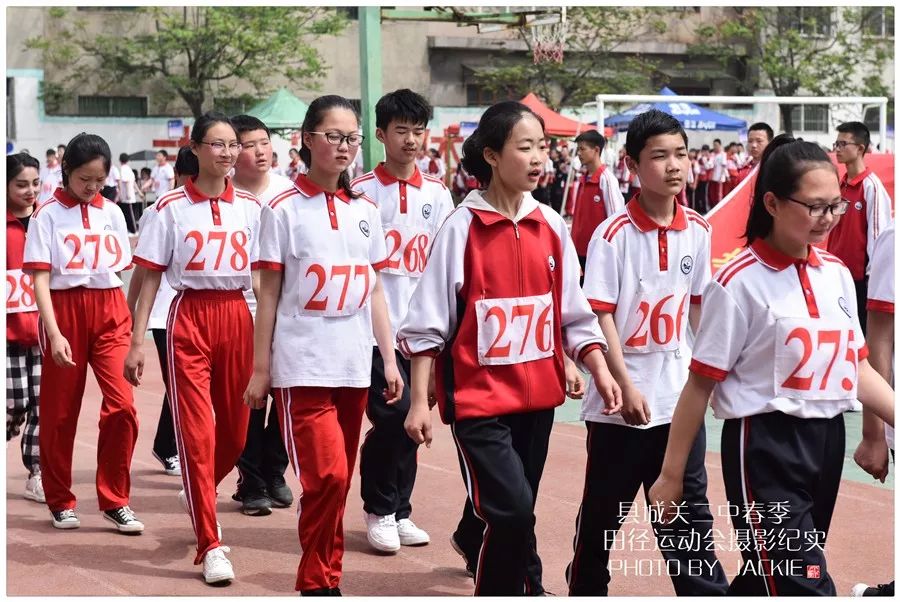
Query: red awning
point(554, 123)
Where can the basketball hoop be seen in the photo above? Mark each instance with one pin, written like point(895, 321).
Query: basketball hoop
point(548, 38)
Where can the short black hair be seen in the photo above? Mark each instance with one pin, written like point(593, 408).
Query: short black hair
point(592, 137)
point(61, 146)
point(83, 149)
point(163, 152)
point(649, 124)
point(859, 131)
point(494, 127)
point(123, 158)
point(717, 140)
point(51, 152)
point(206, 121)
point(248, 123)
point(17, 162)
point(404, 106)
point(705, 147)
point(762, 126)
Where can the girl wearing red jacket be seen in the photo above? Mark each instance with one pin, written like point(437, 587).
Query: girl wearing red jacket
point(497, 309)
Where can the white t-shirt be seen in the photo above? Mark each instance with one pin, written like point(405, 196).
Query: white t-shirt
point(207, 243)
point(780, 334)
point(647, 276)
point(328, 246)
point(162, 175)
point(411, 212)
point(80, 244)
point(51, 179)
point(164, 294)
point(126, 185)
point(880, 295)
point(112, 179)
point(719, 172)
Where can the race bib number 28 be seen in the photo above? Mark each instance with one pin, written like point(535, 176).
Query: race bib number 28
point(514, 330)
point(19, 292)
point(813, 363)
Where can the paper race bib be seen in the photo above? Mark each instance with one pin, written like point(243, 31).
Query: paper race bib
point(812, 363)
point(514, 330)
point(327, 289)
point(407, 248)
point(213, 252)
point(657, 322)
point(20, 296)
point(91, 251)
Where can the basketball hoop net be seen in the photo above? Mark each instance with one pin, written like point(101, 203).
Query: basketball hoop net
point(548, 40)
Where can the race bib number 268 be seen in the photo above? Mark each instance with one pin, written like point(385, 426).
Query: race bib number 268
point(514, 330)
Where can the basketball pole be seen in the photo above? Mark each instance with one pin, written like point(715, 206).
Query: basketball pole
point(370, 81)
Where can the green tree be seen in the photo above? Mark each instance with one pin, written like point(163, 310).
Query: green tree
point(190, 49)
point(820, 51)
point(591, 64)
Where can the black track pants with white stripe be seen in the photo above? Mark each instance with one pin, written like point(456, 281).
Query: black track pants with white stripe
point(502, 461)
point(786, 471)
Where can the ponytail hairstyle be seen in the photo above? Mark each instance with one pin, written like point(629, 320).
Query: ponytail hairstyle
point(314, 116)
point(783, 163)
point(186, 163)
point(494, 128)
point(16, 163)
point(83, 149)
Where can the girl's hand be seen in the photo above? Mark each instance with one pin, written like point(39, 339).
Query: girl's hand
point(134, 365)
point(394, 390)
point(635, 410)
point(418, 424)
point(609, 390)
point(665, 495)
point(61, 352)
point(574, 380)
point(257, 391)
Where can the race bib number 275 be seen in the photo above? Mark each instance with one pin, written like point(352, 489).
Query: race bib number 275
point(813, 363)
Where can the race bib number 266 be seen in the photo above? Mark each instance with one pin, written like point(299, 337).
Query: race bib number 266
point(514, 330)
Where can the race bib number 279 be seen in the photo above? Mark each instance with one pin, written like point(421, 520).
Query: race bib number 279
point(514, 330)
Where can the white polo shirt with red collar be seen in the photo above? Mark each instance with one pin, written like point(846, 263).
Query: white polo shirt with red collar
point(780, 334)
point(412, 212)
point(209, 243)
point(328, 245)
point(80, 244)
point(647, 276)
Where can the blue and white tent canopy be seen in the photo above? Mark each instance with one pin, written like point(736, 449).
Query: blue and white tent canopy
point(691, 116)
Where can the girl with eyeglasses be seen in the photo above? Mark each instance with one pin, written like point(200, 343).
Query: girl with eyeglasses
point(780, 350)
point(320, 304)
point(203, 235)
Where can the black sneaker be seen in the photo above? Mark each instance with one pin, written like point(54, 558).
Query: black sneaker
point(255, 504)
point(280, 494)
point(124, 520)
point(882, 589)
point(321, 591)
point(470, 570)
point(171, 465)
point(65, 519)
point(335, 591)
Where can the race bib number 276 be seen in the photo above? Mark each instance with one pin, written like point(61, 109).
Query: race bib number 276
point(514, 330)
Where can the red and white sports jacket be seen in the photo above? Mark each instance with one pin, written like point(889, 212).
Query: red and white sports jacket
point(497, 306)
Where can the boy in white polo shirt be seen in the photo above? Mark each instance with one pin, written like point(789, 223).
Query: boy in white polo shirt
point(262, 464)
point(646, 268)
point(413, 206)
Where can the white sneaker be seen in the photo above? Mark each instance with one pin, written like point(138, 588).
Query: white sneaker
point(381, 531)
point(410, 534)
point(34, 489)
point(182, 497)
point(216, 567)
point(124, 520)
point(65, 519)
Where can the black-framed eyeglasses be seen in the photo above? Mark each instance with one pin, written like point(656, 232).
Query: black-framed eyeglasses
point(219, 146)
point(839, 208)
point(336, 138)
point(843, 143)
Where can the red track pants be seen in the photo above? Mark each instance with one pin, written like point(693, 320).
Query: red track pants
point(210, 356)
point(321, 427)
point(97, 324)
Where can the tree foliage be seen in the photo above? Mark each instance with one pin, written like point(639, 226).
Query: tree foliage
point(819, 51)
point(592, 64)
point(191, 51)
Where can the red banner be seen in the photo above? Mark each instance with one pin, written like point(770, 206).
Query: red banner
point(729, 217)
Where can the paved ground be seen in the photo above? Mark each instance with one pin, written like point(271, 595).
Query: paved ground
point(95, 560)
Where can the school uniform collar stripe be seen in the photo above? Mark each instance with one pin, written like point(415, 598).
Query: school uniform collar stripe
point(778, 261)
point(645, 223)
point(195, 195)
point(529, 208)
point(68, 201)
point(386, 179)
point(855, 181)
point(594, 178)
point(310, 189)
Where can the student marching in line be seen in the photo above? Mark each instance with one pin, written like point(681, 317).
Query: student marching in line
point(261, 466)
point(23, 355)
point(781, 351)
point(204, 235)
point(412, 206)
point(321, 248)
point(497, 307)
point(647, 266)
point(77, 243)
point(165, 448)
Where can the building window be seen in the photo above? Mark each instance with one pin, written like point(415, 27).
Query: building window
point(478, 95)
point(878, 21)
point(811, 21)
point(112, 106)
point(810, 118)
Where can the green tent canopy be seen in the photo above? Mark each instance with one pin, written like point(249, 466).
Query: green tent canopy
point(281, 111)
